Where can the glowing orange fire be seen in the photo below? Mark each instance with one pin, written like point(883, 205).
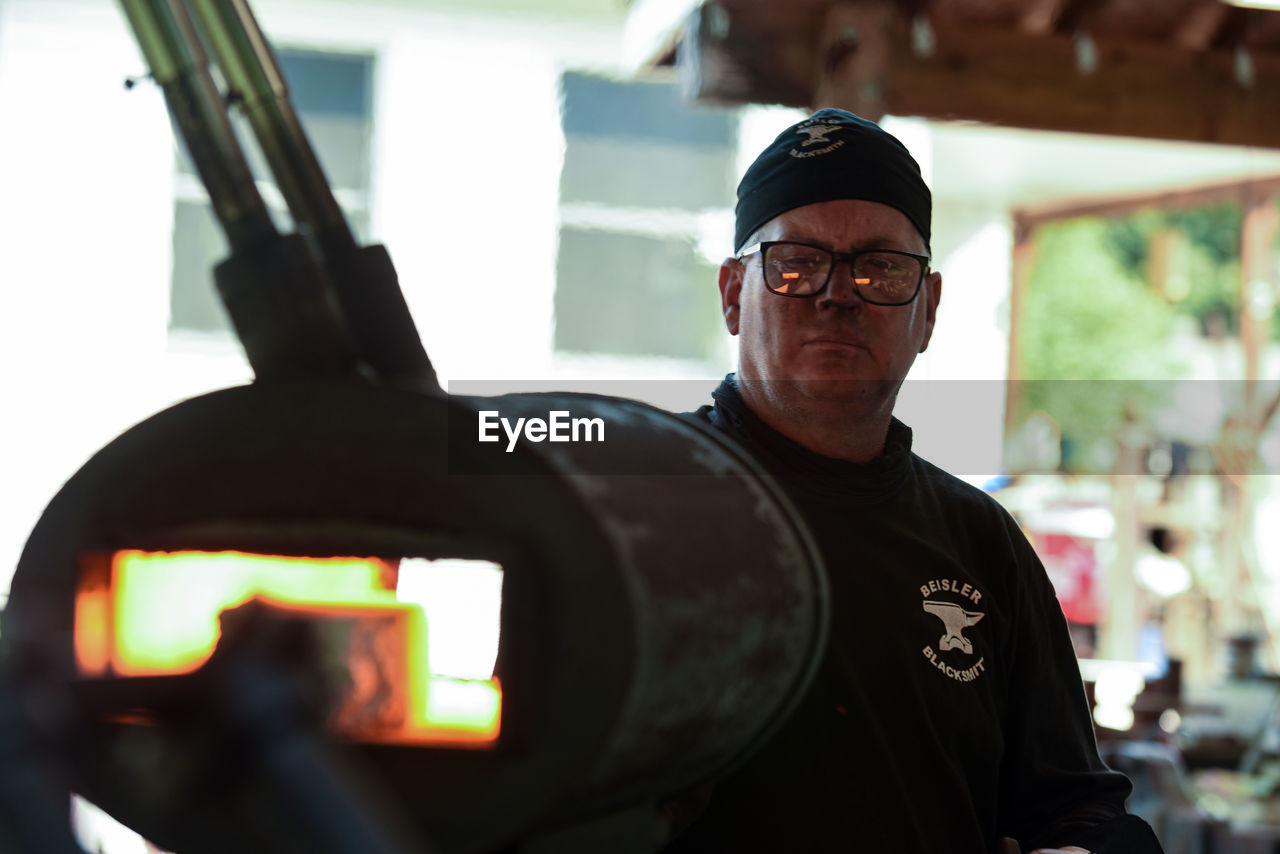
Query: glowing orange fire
point(158, 614)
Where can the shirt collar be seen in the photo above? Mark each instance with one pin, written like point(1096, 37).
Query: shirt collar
point(787, 459)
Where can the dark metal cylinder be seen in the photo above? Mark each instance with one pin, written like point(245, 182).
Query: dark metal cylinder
point(662, 605)
point(723, 584)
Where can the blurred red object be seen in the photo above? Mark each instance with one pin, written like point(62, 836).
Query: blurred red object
point(1072, 566)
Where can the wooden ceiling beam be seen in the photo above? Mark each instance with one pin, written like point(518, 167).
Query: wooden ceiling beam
point(1201, 25)
point(1139, 90)
point(1040, 17)
point(858, 58)
point(739, 53)
point(856, 46)
point(1076, 14)
point(1033, 216)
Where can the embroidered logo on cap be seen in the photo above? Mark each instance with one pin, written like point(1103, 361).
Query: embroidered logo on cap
point(954, 654)
point(817, 135)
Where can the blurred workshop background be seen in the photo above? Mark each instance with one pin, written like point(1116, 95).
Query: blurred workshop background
point(1105, 219)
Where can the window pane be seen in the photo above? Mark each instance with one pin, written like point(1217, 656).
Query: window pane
point(342, 147)
point(643, 173)
point(332, 95)
point(328, 84)
point(198, 244)
point(636, 144)
point(631, 295)
point(629, 281)
point(633, 110)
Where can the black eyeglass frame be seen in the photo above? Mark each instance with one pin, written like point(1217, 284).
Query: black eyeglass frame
point(836, 259)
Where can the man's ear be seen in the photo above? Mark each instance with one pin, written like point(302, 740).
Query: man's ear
point(731, 272)
point(932, 288)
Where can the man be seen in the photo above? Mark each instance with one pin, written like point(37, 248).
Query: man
point(949, 713)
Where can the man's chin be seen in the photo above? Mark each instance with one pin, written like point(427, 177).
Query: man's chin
point(843, 389)
point(823, 397)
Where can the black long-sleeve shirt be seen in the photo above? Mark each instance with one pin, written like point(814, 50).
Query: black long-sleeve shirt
point(949, 710)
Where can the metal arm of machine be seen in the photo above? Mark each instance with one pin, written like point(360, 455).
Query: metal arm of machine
point(274, 290)
point(178, 64)
point(363, 278)
point(257, 86)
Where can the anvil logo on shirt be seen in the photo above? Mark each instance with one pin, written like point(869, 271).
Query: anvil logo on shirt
point(955, 618)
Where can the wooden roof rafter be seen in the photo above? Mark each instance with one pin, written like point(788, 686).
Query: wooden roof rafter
point(1193, 70)
point(1201, 25)
point(1030, 217)
point(1041, 17)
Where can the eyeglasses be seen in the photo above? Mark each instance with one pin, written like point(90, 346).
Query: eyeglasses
point(880, 276)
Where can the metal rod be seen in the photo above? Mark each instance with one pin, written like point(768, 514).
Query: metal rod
point(290, 314)
point(363, 278)
point(180, 67)
point(257, 84)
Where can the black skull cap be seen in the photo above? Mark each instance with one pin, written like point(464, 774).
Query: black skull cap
point(831, 155)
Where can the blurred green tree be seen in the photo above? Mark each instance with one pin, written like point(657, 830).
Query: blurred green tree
point(1200, 274)
point(1093, 336)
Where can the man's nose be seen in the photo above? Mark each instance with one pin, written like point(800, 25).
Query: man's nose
point(840, 290)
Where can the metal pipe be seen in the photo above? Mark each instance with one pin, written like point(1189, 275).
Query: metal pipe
point(274, 292)
point(327, 317)
point(257, 84)
point(179, 65)
point(363, 278)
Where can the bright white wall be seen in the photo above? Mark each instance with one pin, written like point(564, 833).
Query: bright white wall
point(476, 181)
point(85, 209)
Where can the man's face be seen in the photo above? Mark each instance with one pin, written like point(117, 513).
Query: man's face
point(833, 347)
